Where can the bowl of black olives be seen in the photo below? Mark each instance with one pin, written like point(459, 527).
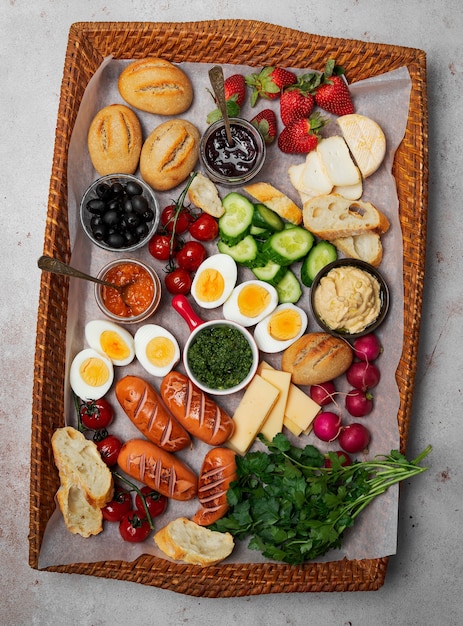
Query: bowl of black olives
point(119, 212)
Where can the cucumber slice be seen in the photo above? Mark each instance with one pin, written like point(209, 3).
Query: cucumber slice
point(244, 252)
point(271, 272)
point(289, 288)
point(235, 223)
point(321, 254)
point(266, 218)
point(260, 233)
point(288, 245)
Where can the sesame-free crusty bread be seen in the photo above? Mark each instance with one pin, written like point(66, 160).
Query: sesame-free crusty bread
point(367, 247)
point(204, 194)
point(276, 200)
point(331, 216)
point(80, 517)
point(184, 540)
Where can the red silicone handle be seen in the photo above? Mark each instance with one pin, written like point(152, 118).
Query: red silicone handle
point(181, 304)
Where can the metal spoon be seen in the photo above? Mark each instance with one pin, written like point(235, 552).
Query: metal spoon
point(55, 266)
point(217, 82)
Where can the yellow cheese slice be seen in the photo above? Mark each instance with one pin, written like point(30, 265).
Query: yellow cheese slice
point(292, 427)
point(250, 414)
point(274, 422)
point(366, 141)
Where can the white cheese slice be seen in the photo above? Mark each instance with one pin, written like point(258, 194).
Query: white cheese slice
point(274, 422)
point(366, 141)
point(314, 176)
point(250, 414)
point(338, 162)
point(351, 192)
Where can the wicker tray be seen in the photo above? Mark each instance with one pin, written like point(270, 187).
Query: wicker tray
point(239, 42)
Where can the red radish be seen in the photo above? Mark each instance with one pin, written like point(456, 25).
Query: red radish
point(323, 394)
point(354, 438)
point(367, 348)
point(327, 426)
point(359, 403)
point(343, 457)
point(363, 375)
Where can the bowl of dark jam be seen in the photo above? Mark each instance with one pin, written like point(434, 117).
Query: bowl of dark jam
point(232, 164)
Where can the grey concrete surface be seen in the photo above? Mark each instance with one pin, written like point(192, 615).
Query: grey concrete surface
point(424, 580)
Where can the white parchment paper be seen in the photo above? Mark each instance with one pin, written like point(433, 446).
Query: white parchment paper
point(384, 98)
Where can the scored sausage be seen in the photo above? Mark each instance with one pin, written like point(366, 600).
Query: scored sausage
point(196, 411)
point(160, 470)
point(146, 410)
point(217, 472)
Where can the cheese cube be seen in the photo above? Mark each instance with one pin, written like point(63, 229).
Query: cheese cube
point(250, 414)
point(274, 422)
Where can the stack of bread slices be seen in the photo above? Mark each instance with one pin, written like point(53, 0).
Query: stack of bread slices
point(330, 185)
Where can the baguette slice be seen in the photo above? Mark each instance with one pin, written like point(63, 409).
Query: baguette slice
point(367, 247)
point(366, 141)
point(80, 464)
point(184, 540)
point(204, 194)
point(79, 516)
point(331, 216)
point(276, 200)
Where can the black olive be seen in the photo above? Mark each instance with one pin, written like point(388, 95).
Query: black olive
point(115, 240)
point(148, 215)
point(111, 218)
point(117, 189)
point(96, 220)
point(99, 232)
point(132, 220)
point(113, 205)
point(96, 206)
point(133, 188)
point(140, 204)
point(130, 238)
point(141, 230)
point(127, 205)
point(103, 191)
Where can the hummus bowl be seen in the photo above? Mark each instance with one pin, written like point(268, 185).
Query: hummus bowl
point(349, 298)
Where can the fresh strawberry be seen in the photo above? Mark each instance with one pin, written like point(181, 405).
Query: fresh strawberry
point(333, 93)
point(235, 88)
point(266, 123)
point(301, 136)
point(269, 82)
point(297, 101)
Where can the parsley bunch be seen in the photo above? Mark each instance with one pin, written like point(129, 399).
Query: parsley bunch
point(293, 508)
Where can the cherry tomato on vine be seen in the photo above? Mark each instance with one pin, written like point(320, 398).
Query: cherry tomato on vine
point(191, 255)
point(178, 281)
point(121, 504)
point(160, 246)
point(109, 448)
point(205, 228)
point(133, 527)
point(96, 414)
point(173, 218)
point(155, 502)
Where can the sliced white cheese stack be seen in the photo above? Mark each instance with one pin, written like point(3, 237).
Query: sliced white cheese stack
point(337, 162)
point(366, 141)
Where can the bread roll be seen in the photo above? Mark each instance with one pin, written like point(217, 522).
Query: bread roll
point(169, 154)
point(156, 86)
point(183, 540)
point(114, 140)
point(316, 358)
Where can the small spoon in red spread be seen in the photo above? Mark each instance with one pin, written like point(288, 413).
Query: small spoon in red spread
point(218, 85)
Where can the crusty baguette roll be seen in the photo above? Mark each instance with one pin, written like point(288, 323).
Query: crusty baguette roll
point(204, 194)
point(156, 86)
point(367, 247)
point(276, 200)
point(183, 540)
point(366, 141)
point(331, 216)
point(169, 154)
point(114, 140)
point(80, 517)
point(79, 462)
point(316, 358)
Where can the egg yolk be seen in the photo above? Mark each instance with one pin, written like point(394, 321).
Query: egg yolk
point(253, 300)
point(114, 346)
point(285, 325)
point(210, 285)
point(94, 372)
point(160, 351)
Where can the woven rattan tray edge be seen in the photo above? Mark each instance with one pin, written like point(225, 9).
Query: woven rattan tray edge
point(224, 41)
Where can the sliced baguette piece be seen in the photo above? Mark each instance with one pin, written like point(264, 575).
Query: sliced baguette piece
point(204, 194)
point(337, 161)
point(366, 141)
point(276, 200)
point(80, 517)
point(79, 463)
point(184, 540)
point(332, 216)
point(367, 247)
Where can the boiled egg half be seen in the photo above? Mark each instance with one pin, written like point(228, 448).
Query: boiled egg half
point(156, 349)
point(91, 374)
point(281, 328)
point(214, 281)
point(250, 302)
point(112, 340)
